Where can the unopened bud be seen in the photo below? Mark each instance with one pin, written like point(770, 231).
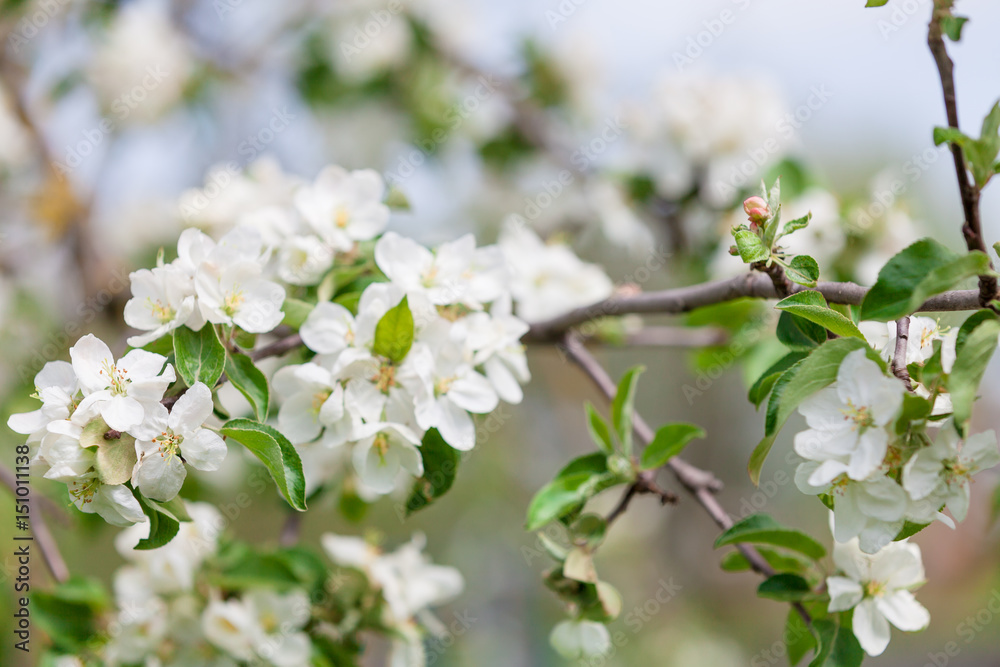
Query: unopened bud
point(756, 209)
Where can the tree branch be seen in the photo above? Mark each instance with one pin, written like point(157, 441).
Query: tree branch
point(701, 484)
point(39, 528)
point(899, 354)
point(749, 285)
point(969, 191)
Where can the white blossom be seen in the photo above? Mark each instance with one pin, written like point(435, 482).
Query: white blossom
point(344, 207)
point(848, 421)
point(878, 588)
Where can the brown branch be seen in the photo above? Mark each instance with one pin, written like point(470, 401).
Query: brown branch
point(654, 336)
point(969, 191)
point(782, 285)
point(645, 483)
point(750, 285)
point(278, 347)
point(899, 354)
point(291, 529)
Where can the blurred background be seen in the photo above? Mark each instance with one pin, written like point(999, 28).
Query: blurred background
point(630, 129)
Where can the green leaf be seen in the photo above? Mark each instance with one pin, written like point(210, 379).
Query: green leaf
point(762, 387)
point(909, 529)
point(570, 488)
point(785, 587)
point(798, 637)
point(242, 568)
point(750, 246)
point(623, 407)
point(276, 453)
point(600, 433)
point(970, 324)
point(250, 381)
point(68, 614)
point(838, 646)
point(796, 224)
point(970, 365)
point(199, 355)
point(394, 332)
point(811, 305)
point(803, 270)
point(796, 333)
point(876, 3)
point(669, 441)
point(763, 529)
point(440, 466)
point(952, 26)
point(803, 379)
point(162, 526)
point(296, 312)
point(395, 199)
point(917, 273)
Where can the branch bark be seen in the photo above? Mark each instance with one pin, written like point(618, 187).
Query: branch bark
point(972, 228)
point(899, 354)
point(750, 285)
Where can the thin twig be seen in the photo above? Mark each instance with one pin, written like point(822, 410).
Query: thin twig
point(665, 336)
point(701, 484)
point(899, 354)
point(969, 191)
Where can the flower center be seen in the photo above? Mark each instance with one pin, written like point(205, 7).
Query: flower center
point(341, 217)
point(385, 378)
point(860, 415)
point(443, 385)
point(162, 313)
point(874, 589)
point(430, 275)
point(381, 445)
point(233, 301)
point(169, 443)
point(319, 398)
point(118, 383)
point(84, 491)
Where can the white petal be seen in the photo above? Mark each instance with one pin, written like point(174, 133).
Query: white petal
point(844, 593)
point(455, 425)
point(122, 412)
point(90, 355)
point(191, 410)
point(159, 477)
point(871, 628)
point(902, 610)
point(474, 393)
point(298, 420)
point(326, 328)
point(204, 450)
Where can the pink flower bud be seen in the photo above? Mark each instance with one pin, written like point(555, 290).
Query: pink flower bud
point(756, 209)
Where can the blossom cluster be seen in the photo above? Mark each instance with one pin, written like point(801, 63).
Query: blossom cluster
point(885, 474)
point(171, 611)
point(369, 399)
point(102, 425)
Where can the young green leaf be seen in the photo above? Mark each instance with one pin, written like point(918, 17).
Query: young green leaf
point(276, 453)
point(796, 333)
point(970, 324)
point(750, 246)
point(796, 224)
point(199, 355)
point(296, 312)
point(785, 587)
point(838, 647)
point(250, 382)
point(803, 379)
point(803, 270)
point(763, 529)
point(917, 273)
point(798, 638)
point(623, 406)
point(969, 367)
point(668, 442)
point(762, 387)
point(570, 488)
point(811, 305)
point(68, 614)
point(876, 3)
point(394, 332)
point(162, 526)
point(952, 26)
point(600, 433)
point(440, 466)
